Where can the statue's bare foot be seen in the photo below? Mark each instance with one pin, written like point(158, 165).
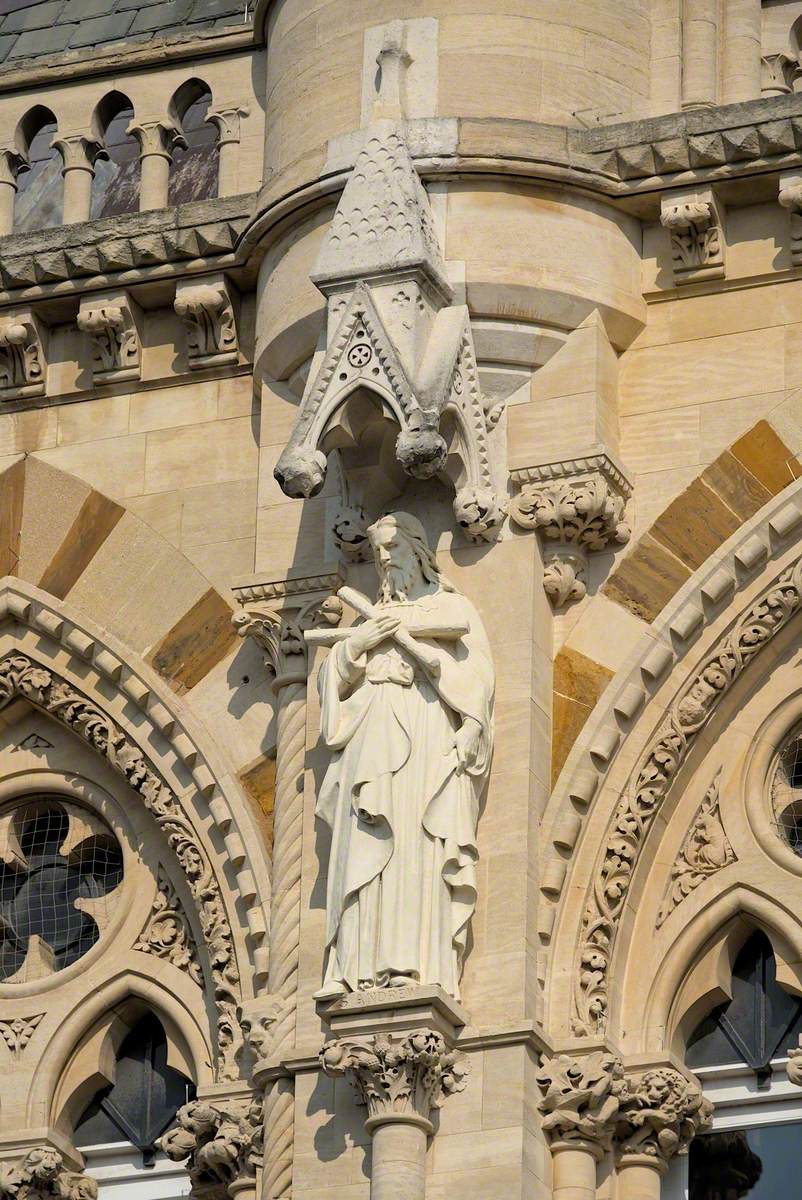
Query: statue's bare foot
point(331, 991)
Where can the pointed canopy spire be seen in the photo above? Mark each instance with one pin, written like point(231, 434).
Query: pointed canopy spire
point(383, 223)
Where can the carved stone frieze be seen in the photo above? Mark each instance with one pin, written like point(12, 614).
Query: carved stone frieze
point(208, 309)
point(22, 677)
point(660, 1115)
point(16, 1032)
point(168, 934)
point(113, 322)
point(705, 851)
point(394, 335)
point(23, 356)
point(398, 1075)
point(581, 1097)
point(578, 507)
point(42, 1175)
point(221, 1146)
point(695, 223)
point(652, 778)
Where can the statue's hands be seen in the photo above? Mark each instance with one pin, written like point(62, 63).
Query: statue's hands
point(467, 741)
point(371, 633)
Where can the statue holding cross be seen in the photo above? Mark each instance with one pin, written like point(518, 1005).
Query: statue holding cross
point(407, 714)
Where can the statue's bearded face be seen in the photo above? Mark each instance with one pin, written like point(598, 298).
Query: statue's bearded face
point(396, 562)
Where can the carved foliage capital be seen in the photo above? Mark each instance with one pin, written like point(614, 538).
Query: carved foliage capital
point(574, 516)
point(398, 1075)
point(227, 120)
point(660, 1115)
point(161, 138)
point(112, 324)
point(696, 227)
point(23, 356)
point(208, 311)
point(581, 1097)
point(78, 152)
point(279, 633)
point(41, 1175)
point(222, 1147)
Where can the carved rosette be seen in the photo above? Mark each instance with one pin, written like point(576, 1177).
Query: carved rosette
point(578, 507)
point(113, 329)
point(222, 1147)
point(23, 359)
point(208, 311)
point(660, 1115)
point(581, 1098)
point(398, 1077)
point(18, 1031)
point(705, 851)
point(42, 1175)
point(695, 224)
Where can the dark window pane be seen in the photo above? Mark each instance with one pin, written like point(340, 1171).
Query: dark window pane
point(144, 1098)
point(761, 1022)
point(39, 203)
point(193, 175)
point(115, 188)
point(756, 1163)
point(43, 925)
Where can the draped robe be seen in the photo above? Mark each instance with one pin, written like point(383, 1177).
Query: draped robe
point(402, 868)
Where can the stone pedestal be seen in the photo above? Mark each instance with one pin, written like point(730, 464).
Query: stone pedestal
point(397, 1048)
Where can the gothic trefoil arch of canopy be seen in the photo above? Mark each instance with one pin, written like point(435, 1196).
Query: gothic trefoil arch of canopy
point(394, 331)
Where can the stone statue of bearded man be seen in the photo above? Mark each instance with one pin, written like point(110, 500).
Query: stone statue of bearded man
point(407, 713)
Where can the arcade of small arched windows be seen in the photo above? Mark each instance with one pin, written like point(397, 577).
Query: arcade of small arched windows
point(120, 163)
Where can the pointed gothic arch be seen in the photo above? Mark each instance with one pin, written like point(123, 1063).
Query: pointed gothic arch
point(633, 764)
point(119, 709)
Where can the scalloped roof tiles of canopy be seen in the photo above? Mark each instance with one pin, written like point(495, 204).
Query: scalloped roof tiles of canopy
point(72, 29)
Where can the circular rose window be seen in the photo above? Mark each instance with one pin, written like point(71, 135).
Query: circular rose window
point(60, 873)
point(786, 795)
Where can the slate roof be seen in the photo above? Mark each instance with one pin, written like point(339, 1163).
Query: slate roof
point(35, 29)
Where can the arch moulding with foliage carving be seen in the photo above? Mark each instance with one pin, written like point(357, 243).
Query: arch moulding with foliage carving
point(635, 748)
point(97, 690)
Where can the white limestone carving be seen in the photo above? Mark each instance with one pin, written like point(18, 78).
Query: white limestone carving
point(660, 1115)
point(18, 1031)
point(578, 506)
point(581, 1097)
point(113, 322)
point(705, 851)
point(394, 336)
point(42, 1175)
point(168, 934)
point(208, 310)
point(695, 222)
point(398, 1075)
point(23, 356)
point(392, 691)
point(222, 1147)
